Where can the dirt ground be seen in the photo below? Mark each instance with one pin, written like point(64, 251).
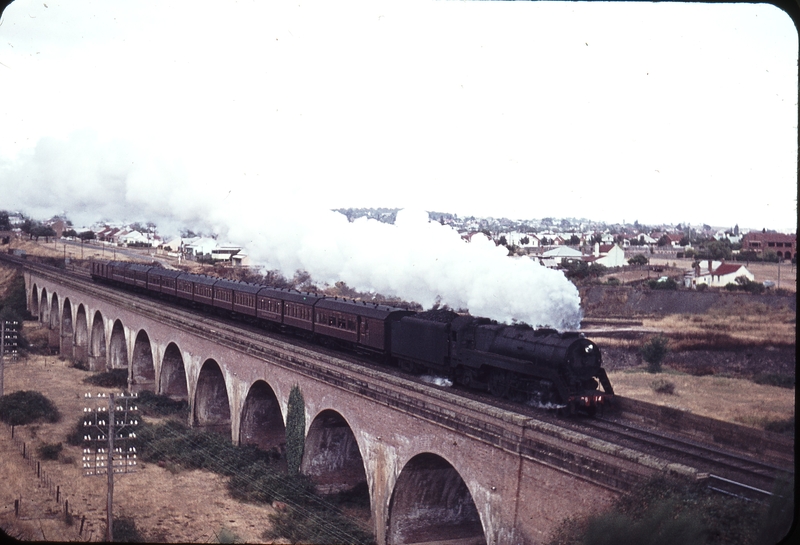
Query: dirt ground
point(729, 399)
point(184, 507)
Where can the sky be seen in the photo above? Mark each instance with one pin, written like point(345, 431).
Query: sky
point(248, 119)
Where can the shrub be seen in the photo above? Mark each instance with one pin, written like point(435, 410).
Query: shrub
point(125, 531)
point(780, 426)
point(613, 281)
point(49, 451)
point(116, 378)
point(775, 379)
point(25, 407)
point(668, 284)
point(159, 405)
point(663, 386)
point(654, 351)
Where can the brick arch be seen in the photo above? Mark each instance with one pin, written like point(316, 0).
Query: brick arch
point(431, 502)
point(54, 321)
point(172, 381)
point(143, 367)
point(118, 347)
point(212, 409)
point(97, 344)
point(261, 423)
point(81, 349)
point(331, 456)
point(54, 324)
point(67, 340)
point(34, 303)
point(44, 310)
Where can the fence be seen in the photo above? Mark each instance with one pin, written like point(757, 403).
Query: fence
point(54, 489)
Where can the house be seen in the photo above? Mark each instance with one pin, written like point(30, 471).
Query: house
point(784, 246)
point(719, 276)
point(556, 257)
point(608, 255)
point(132, 237)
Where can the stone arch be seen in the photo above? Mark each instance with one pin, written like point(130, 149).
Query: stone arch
point(212, 408)
point(261, 423)
point(34, 303)
point(117, 347)
point(173, 374)
point(44, 314)
point(331, 456)
point(81, 349)
point(430, 503)
point(97, 347)
point(67, 330)
point(143, 367)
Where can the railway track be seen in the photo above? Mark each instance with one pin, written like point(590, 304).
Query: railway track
point(723, 471)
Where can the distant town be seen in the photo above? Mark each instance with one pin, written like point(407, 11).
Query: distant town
point(581, 248)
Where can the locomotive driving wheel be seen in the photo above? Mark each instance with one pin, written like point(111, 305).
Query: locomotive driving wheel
point(500, 383)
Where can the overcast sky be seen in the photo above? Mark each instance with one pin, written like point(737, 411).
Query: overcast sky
point(608, 111)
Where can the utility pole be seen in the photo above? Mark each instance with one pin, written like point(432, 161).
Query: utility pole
point(111, 426)
point(8, 337)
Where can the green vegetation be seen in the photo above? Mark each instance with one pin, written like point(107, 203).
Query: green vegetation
point(662, 511)
point(116, 378)
point(663, 386)
point(152, 404)
point(639, 259)
point(785, 427)
point(14, 305)
point(49, 451)
point(125, 531)
point(295, 430)
point(666, 284)
point(775, 379)
point(581, 270)
point(26, 407)
point(654, 351)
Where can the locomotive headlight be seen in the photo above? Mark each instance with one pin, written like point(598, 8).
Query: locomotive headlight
point(589, 349)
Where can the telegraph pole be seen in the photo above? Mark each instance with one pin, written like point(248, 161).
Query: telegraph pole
point(110, 425)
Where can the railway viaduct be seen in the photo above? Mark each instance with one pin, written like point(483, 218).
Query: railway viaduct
point(439, 468)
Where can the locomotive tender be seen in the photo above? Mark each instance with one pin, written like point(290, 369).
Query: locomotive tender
point(515, 362)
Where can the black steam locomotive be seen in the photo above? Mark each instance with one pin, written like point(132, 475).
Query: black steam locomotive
point(515, 362)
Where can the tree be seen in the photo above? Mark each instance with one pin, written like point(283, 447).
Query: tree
point(5, 224)
point(663, 241)
point(41, 231)
point(295, 430)
point(638, 259)
point(654, 351)
point(525, 240)
point(574, 240)
point(86, 235)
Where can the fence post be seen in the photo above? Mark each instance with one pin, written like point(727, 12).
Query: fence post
point(83, 519)
point(23, 450)
point(16, 508)
point(38, 470)
point(58, 495)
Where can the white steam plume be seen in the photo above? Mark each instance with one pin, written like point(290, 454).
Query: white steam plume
point(413, 258)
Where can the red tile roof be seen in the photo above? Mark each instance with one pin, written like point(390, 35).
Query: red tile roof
point(726, 268)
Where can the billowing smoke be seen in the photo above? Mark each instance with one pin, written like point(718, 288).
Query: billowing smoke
point(413, 258)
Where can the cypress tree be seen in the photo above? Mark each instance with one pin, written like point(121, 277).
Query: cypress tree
point(295, 430)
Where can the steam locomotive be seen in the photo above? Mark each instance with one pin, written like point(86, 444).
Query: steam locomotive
point(517, 362)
